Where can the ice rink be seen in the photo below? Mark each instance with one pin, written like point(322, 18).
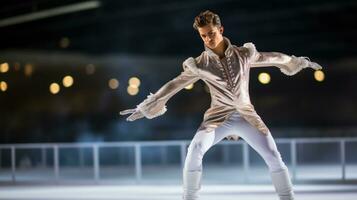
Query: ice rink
point(232, 171)
point(171, 192)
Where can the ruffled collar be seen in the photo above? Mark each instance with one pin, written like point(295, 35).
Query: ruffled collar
point(227, 52)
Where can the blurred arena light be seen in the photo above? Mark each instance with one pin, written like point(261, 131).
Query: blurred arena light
point(319, 75)
point(4, 67)
point(3, 86)
point(113, 83)
point(132, 90)
point(67, 81)
point(90, 69)
point(17, 66)
point(134, 82)
point(264, 78)
point(54, 88)
point(189, 87)
point(28, 69)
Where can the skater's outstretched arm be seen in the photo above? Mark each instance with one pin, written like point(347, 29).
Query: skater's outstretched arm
point(289, 65)
point(155, 104)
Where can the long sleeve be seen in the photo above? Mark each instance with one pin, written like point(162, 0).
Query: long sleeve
point(288, 65)
point(155, 104)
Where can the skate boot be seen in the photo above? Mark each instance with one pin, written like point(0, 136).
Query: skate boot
point(191, 184)
point(282, 183)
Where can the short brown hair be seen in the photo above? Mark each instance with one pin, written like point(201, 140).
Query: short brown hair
point(205, 18)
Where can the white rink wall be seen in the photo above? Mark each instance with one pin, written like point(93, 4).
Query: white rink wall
point(309, 160)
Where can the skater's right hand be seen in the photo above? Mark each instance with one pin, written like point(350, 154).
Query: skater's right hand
point(135, 114)
point(312, 65)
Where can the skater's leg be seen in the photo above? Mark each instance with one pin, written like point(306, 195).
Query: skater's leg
point(263, 144)
point(282, 184)
point(192, 172)
point(199, 145)
point(266, 147)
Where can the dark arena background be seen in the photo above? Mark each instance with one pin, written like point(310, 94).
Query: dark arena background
point(67, 67)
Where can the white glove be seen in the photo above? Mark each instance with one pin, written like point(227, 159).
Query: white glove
point(315, 66)
point(310, 64)
point(135, 114)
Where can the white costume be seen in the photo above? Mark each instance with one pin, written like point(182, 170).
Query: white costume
point(231, 113)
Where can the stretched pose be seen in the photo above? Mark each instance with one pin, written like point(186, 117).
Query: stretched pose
point(225, 69)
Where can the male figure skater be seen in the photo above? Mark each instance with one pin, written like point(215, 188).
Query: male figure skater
point(225, 69)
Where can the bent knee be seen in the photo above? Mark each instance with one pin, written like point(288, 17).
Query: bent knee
point(194, 158)
point(196, 149)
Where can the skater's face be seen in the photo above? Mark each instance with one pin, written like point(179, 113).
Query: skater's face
point(211, 35)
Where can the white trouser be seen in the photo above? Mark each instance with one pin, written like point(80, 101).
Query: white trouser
point(263, 144)
point(235, 125)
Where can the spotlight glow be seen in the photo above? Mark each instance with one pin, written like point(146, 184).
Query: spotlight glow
point(54, 88)
point(4, 67)
point(264, 78)
point(189, 87)
point(134, 82)
point(3, 86)
point(67, 81)
point(319, 75)
point(132, 90)
point(113, 83)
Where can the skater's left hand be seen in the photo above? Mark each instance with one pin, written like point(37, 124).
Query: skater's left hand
point(310, 64)
point(135, 114)
point(315, 66)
